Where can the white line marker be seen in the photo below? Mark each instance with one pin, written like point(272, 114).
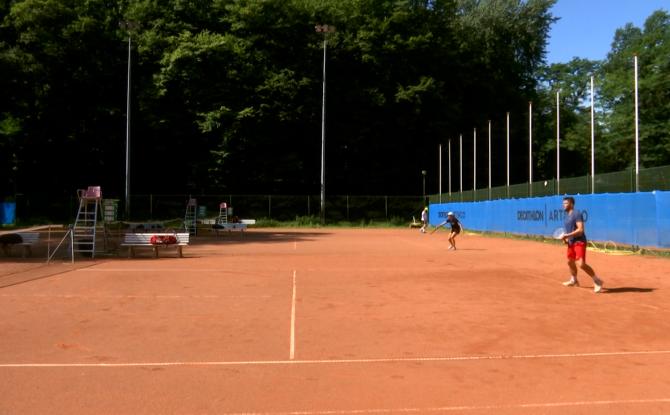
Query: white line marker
point(292, 352)
point(190, 270)
point(157, 297)
point(343, 361)
point(462, 408)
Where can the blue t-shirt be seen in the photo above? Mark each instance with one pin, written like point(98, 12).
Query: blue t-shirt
point(570, 225)
point(455, 224)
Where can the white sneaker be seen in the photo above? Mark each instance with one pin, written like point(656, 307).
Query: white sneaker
point(572, 282)
point(597, 285)
point(451, 248)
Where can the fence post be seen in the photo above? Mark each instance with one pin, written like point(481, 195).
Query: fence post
point(151, 206)
point(308, 210)
point(386, 207)
point(269, 206)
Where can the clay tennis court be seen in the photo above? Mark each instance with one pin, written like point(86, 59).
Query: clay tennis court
point(332, 321)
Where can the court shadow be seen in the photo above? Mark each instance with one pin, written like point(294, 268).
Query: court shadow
point(619, 290)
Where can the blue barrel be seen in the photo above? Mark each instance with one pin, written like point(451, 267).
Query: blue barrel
point(8, 213)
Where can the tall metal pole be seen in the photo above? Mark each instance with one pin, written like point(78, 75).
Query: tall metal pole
point(460, 163)
point(423, 175)
point(558, 143)
point(593, 142)
point(325, 29)
point(507, 151)
point(127, 192)
point(474, 165)
point(637, 133)
point(439, 184)
point(323, 138)
point(489, 159)
point(449, 170)
point(530, 148)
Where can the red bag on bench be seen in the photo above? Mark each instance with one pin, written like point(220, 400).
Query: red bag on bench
point(163, 239)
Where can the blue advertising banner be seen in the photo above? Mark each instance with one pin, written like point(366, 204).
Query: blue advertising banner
point(641, 219)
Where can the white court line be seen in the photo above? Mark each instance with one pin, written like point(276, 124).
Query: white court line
point(342, 361)
point(462, 407)
point(292, 352)
point(161, 297)
point(190, 270)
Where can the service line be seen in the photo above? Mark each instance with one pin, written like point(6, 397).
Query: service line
point(292, 349)
point(344, 361)
point(460, 408)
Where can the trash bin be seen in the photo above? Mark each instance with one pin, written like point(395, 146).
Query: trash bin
point(8, 213)
point(110, 210)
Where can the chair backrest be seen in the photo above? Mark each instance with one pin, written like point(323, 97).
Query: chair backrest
point(93, 192)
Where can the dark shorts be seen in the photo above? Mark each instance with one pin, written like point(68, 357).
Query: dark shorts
point(577, 251)
point(456, 229)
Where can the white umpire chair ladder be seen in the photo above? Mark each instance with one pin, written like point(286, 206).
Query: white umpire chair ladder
point(223, 214)
point(84, 229)
point(190, 218)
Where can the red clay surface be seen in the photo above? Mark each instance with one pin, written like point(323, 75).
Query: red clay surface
point(382, 322)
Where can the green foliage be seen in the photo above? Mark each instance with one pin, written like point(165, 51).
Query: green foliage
point(614, 90)
point(226, 94)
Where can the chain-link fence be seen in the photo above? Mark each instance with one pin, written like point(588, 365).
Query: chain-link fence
point(160, 207)
point(280, 207)
point(654, 178)
point(44, 208)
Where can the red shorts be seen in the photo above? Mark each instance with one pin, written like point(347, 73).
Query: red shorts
point(577, 251)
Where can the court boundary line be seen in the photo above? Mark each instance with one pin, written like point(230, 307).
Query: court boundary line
point(343, 361)
point(139, 297)
point(292, 347)
point(463, 407)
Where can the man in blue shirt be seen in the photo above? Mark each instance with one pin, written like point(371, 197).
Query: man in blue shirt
point(575, 238)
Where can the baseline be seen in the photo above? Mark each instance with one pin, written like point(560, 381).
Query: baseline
point(343, 361)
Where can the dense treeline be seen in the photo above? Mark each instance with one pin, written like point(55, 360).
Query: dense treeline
point(226, 94)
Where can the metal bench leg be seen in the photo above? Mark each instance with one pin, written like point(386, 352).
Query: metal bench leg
point(131, 252)
point(155, 251)
point(181, 254)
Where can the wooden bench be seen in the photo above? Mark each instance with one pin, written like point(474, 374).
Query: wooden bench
point(27, 240)
point(133, 240)
point(415, 224)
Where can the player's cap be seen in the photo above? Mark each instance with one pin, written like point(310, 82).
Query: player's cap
point(450, 214)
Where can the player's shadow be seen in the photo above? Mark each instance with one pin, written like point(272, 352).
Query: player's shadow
point(619, 290)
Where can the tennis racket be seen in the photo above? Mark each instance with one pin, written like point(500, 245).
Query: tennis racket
point(558, 233)
point(437, 227)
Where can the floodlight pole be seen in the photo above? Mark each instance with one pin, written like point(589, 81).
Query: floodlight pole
point(460, 164)
point(439, 190)
point(530, 148)
point(507, 152)
point(450, 170)
point(489, 159)
point(128, 26)
point(637, 132)
point(423, 174)
point(325, 29)
point(474, 165)
point(558, 143)
point(593, 141)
